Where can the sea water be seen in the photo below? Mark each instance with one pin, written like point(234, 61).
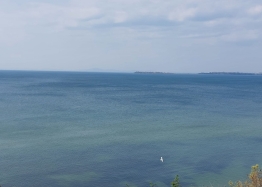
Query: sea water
point(110, 129)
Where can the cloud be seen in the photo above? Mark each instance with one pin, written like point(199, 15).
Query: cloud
point(255, 10)
point(12, 29)
point(237, 36)
point(113, 11)
point(59, 16)
point(186, 17)
point(182, 14)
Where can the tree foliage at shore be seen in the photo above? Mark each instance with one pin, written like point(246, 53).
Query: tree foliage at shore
point(254, 179)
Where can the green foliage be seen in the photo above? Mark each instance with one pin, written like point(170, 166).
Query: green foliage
point(175, 182)
point(152, 184)
point(254, 180)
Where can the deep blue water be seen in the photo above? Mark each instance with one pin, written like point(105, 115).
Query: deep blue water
point(106, 129)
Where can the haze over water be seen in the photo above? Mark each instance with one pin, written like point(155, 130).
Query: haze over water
point(106, 129)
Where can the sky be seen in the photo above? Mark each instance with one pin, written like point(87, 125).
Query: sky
point(179, 36)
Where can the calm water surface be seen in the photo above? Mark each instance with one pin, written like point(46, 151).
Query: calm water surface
point(105, 129)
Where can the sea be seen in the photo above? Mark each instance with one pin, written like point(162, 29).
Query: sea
point(82, 129)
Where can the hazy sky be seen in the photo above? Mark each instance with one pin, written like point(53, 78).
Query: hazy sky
point(131, 35)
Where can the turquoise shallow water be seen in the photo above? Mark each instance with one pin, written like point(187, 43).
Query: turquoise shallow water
point(105, 129)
